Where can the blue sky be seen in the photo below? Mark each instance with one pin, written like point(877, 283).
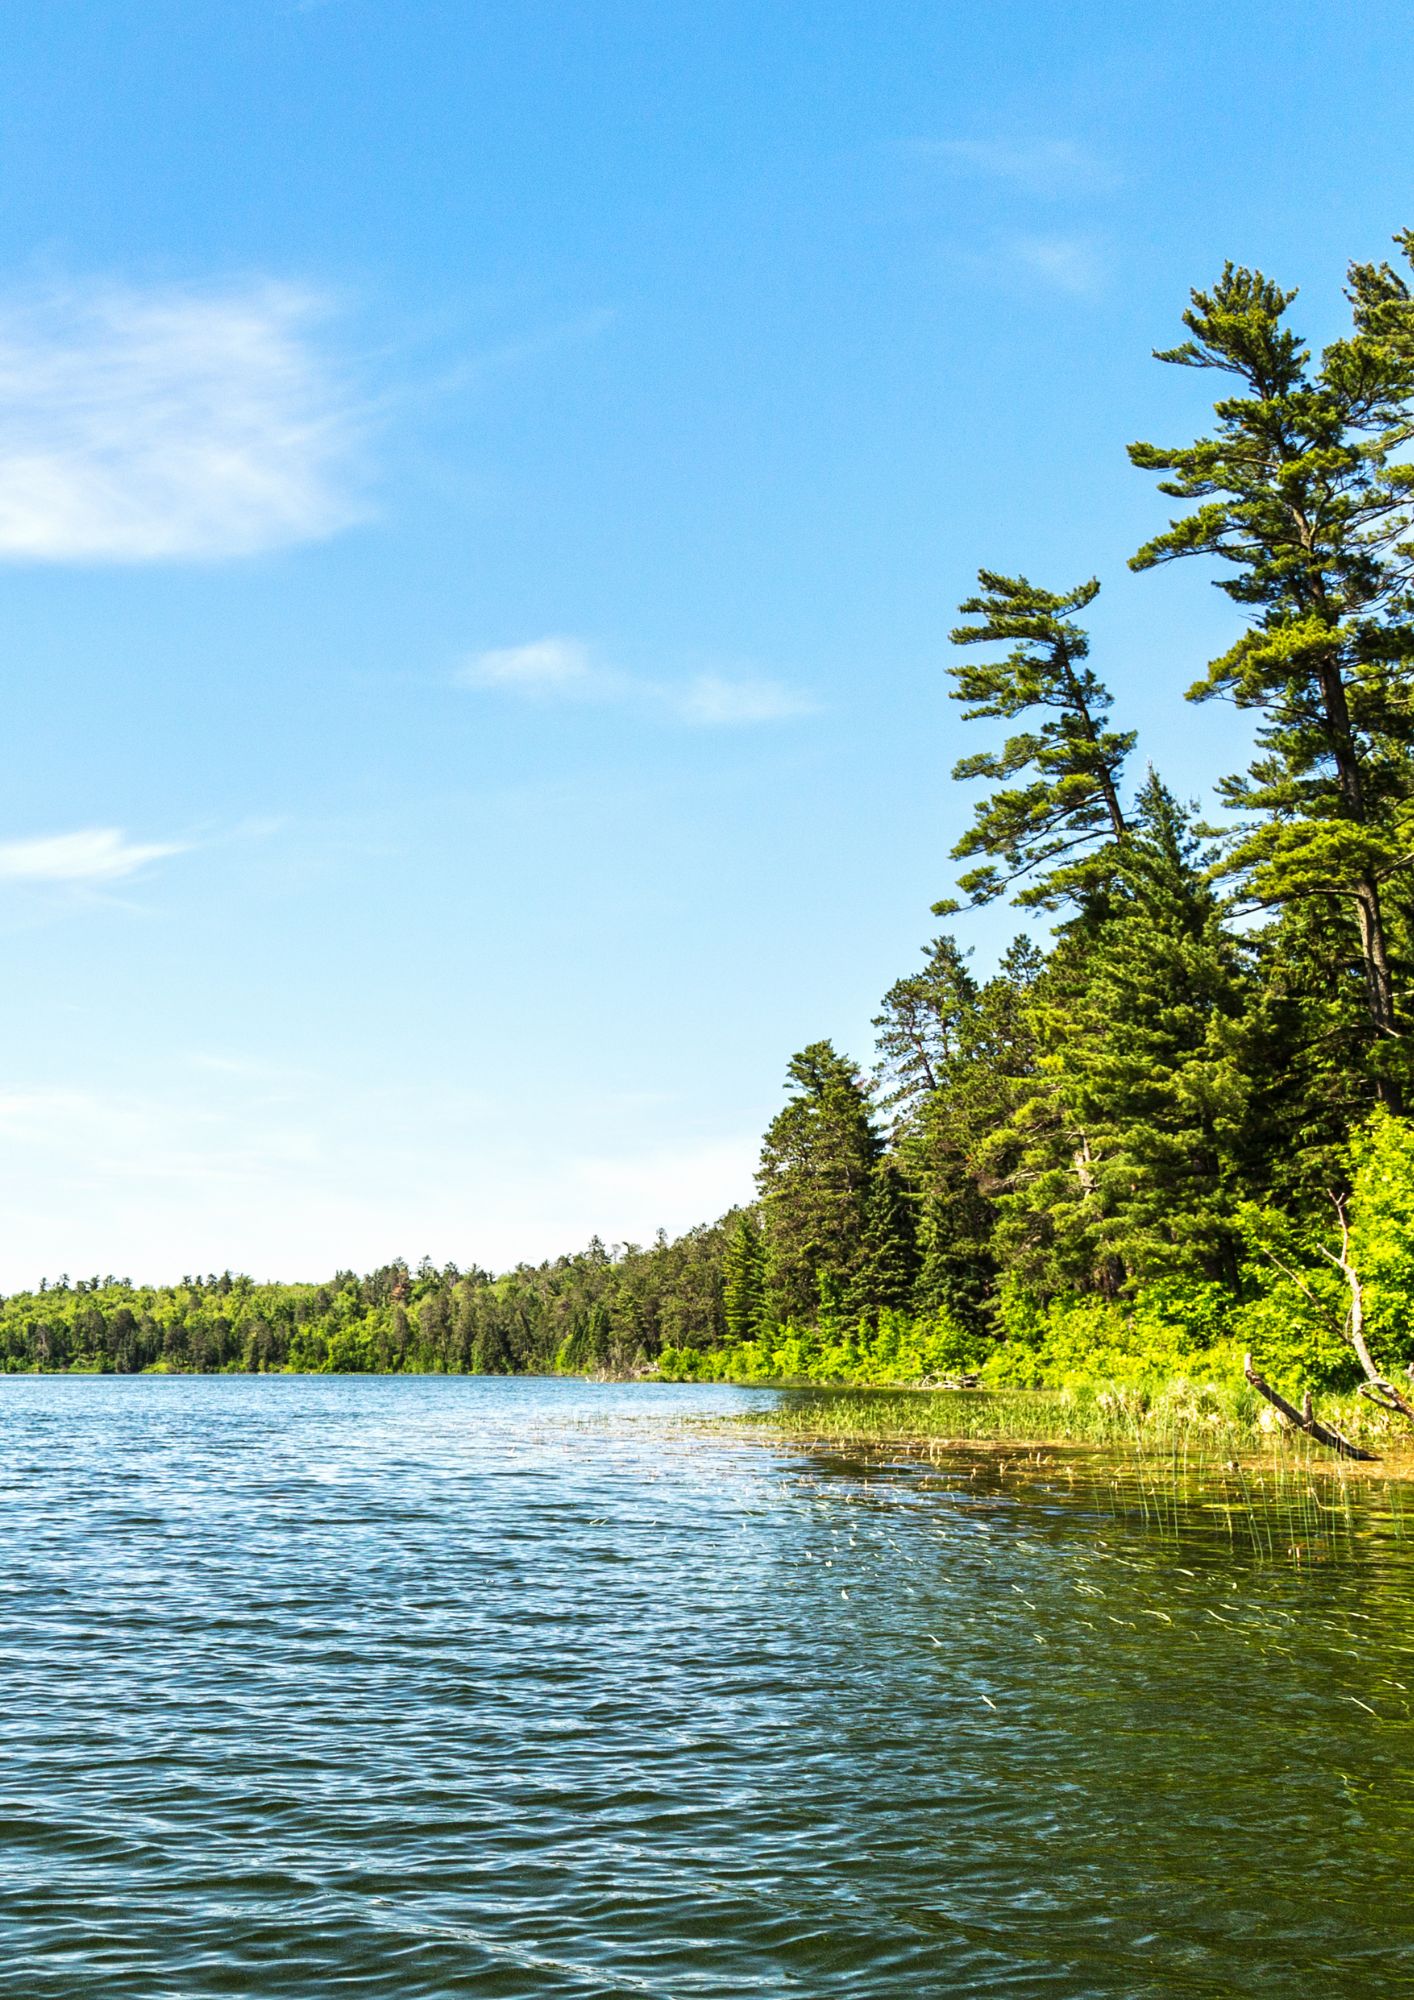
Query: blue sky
point(483, 491)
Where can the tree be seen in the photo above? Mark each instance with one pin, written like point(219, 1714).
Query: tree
point(888, 1251)
point(1129, 1139)
point(1300, 496)
point(920, 1029)
point(817, 1160)
point(1149, 1063)
point(744, 1280)
point(1058, 827)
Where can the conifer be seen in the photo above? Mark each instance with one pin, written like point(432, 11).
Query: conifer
point(888, 1251)
point(1301, 494)
point(817, 1160)
point(744, 1280)
point(1058, 827)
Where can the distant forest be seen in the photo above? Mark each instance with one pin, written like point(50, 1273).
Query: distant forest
point(1139, 1133)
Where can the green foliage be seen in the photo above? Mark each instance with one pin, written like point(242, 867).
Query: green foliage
point(743, 1279)
point(817, 1170)
point(1059, 826)
point(1301, 495)
point(1382, 1236)
point(599, 1310)
point(886, 1347)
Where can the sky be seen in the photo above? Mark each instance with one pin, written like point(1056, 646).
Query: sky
point(484, 489)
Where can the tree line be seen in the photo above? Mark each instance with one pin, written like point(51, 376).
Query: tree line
point(1148, 1097)
point(1173, 1077)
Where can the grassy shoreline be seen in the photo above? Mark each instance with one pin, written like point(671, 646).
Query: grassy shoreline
point(1178, 1420)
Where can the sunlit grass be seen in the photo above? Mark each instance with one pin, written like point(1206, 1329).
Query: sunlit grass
point(1173, 1459)
point(1174, 1420)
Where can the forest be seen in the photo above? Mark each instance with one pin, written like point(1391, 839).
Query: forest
point(1172, 1126)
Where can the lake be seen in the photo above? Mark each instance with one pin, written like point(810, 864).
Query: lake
point(417, 1687)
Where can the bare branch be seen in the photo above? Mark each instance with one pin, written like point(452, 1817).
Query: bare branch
point(1303, 1419)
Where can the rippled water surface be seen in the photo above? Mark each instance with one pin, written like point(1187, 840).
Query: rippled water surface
point(428, 1687)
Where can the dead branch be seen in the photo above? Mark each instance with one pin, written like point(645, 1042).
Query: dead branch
point(1305, 1418)
point(1376, 1386)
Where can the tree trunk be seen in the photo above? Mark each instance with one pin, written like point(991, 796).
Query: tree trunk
point(1118, 826)
point(1374, 950)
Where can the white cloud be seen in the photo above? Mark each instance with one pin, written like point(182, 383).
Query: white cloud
point(98, 854)
point(714, 701)
point(138, 426)
point(1069, 263)
point(544, 665)
point(565, 669)
point(1040, 166)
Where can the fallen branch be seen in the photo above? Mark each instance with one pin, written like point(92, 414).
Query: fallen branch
point(1304, 1419)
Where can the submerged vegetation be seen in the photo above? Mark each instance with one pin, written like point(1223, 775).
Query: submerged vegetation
point(1168, 1132)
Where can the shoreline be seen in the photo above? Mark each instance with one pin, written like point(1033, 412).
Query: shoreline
point(1177, 1424)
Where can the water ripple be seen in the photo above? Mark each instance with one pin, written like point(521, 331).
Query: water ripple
point(421, 1688)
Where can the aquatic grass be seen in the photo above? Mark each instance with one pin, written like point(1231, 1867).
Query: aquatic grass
point(1172, 1419)
point(1173, 1459)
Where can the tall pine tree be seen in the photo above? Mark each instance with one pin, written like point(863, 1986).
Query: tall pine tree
point(1300, 493)
point(1054, 831)
point(744, 1279)
point(1136, 1129)
point(888, 1250)
point(815, 1176)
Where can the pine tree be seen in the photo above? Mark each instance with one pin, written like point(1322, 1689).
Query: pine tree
point(1058, 827)
point(744, 1280)
point(817, 1159)
point(960, 1151)
point(921, 1028)
point(888, 1251)
point(1135, 1127)
point(1298, 492)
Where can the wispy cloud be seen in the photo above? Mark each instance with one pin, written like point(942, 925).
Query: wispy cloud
point(98, 854)
point(716, 702)
point(543, 666)
point(141, 426)
point(209, 1169)
point(563, 669)
point(1039, 166)
point(1071, 264)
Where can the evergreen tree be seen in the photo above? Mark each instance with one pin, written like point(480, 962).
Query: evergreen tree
point(888, 1251)
point(744, 1280)
point(921, 1027)
point(1057, 827)
point(1136, 1133)
point(958, 1153)
point(817, 1160)
point(1300, 495)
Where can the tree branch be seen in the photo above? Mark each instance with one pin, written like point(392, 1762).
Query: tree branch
point(1305, 1418)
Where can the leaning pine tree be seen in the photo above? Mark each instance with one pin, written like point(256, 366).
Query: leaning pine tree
point(1057, 825)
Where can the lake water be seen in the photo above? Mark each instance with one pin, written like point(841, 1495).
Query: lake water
point(425, 1687)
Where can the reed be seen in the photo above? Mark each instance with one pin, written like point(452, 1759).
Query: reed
point(1178, 1421)
point(1175, 1461)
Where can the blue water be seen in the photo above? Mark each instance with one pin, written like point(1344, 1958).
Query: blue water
point(424, 1687)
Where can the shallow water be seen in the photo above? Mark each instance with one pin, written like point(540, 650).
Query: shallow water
point(423, 1687)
